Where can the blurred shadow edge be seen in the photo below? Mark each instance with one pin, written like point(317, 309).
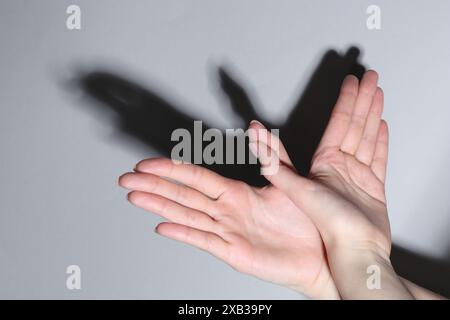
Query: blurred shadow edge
point(428, 272)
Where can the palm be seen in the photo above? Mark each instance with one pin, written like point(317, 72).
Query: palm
point(270, 237)
point(353, 181)
point(356, 174)
point(345, 189)
point(258, 231)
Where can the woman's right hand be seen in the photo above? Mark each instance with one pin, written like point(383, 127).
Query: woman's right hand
point(344, 194)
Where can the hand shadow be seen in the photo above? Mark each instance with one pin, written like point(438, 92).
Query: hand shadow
point(147, 116)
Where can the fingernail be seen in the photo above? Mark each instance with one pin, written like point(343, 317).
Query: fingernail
point(256, 122)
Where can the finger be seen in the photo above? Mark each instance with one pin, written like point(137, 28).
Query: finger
point(279, 174)
point(196, 177)
point(268, 158)
point(341, 115)
point(379, 162)
point(363, 102)
point(307, 195)
point(368, 142)
point(257, 132)
point(207, 241)
point(172, 211)
point(179, 193)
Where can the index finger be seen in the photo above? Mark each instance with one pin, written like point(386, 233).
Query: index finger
point(196, 177)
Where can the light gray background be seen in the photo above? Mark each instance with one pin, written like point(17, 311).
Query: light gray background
point(59, 162)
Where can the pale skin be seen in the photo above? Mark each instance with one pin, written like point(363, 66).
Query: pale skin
point(279, 233)
point(256, 231)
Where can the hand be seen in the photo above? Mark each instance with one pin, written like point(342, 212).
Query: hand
point(345, 187)
point(344, 194)
point(258, 231)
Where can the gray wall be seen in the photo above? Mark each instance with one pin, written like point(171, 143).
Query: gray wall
point(60, 158)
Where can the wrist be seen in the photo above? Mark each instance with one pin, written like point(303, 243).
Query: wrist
point(366, 273)
point(321, 288)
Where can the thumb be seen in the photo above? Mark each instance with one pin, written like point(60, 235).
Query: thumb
point(257, 132)
point(281, 175)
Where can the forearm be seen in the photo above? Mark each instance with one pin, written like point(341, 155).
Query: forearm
point(364, 274)
point(420, 293)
